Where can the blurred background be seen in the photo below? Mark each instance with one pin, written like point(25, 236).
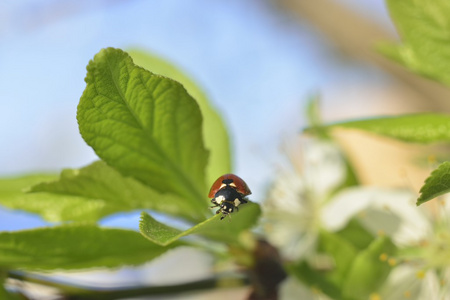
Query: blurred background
point(258, 61)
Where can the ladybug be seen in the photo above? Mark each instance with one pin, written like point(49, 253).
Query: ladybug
point(228, 192)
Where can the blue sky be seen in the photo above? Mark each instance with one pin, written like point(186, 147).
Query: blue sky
point(257, 65)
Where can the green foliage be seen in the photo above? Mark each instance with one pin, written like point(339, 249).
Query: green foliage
point(342, 253)
point(215, 135)
point(52, 207)
point(112, 192)
point(314, 117)
point(10, 187)
point(315, 279)
point(160, 233)
point(416, 128)
point(437, 184)
point(424, 27)
point(77, 246)
point(357, 270)
point(144, 125)
point(149, 133)
point(213, 228)
point(356, 234)
point(367, 271)
point(5, 295)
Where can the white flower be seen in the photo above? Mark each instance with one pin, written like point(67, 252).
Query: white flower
point(293, 209)
point(381, 210)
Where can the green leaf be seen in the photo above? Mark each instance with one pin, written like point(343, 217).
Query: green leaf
point(437, 184)
point(351, 264)
point(314, 279)
point(51, 207)
point(213, 228)
point(9, 187)
point(144, 125)
point(424, 27)
point(342, 252)
point(417, 128)
point(215, 135)
point(99, 183)
point(368, 272)
point(314, 117)
point(5, 295)
point(74, 247)
point(356, 234)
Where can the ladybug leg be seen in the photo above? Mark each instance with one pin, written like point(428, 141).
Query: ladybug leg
point(213, 201)
point(224, 215)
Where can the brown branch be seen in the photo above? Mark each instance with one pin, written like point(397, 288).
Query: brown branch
point(267, 272)
point(77, 292)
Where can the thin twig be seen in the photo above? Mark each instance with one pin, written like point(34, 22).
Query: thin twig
point(76, 292)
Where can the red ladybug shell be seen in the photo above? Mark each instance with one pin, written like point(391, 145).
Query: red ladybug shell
point(240, 184)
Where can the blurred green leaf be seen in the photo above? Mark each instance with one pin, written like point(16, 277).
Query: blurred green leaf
point(215, 135)
point(51, 207)
point(75, 247)
point(357, 270)
point(424, 27)
point(144, 125)
point(438, 183)
point(11, 186)
point(356, 234)
point(314, 279)
point(368, 272)
point(213, 228)
point(5, 295)
point(314, 117)
point(342, 252)
point(417, 128)
point(99, 183)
